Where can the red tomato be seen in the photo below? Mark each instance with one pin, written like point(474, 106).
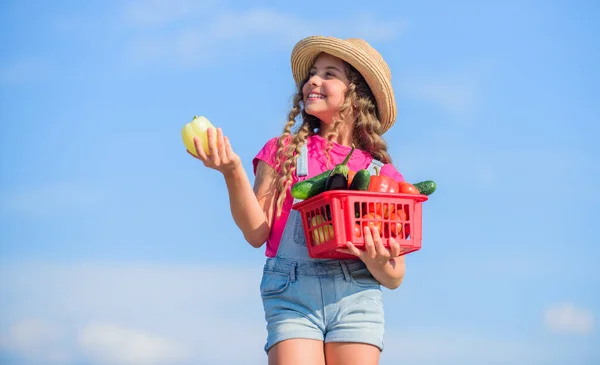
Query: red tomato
point(395, 224)
point(383, 209)
point(357, 230)
point(372, 220)
point(407, 188)
point(406, 217)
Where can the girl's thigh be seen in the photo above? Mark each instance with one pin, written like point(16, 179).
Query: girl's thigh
point(351, 353)
point(297, 351)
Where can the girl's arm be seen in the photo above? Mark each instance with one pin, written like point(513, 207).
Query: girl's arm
point(251, 209)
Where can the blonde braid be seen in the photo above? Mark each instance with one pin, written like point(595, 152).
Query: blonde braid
point(367, 128)
point(288, 155)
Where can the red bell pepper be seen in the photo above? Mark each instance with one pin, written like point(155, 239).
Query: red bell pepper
point(382, 184)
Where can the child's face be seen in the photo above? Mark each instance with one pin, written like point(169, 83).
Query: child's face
point(324, 92)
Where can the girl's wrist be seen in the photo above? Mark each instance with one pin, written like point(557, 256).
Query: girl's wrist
point(389, 274)
point(233, 172)
point(374, 266)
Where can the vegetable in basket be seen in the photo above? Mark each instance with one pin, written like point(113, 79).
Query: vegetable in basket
point(338, 178)
point(310, 187)
point(426, 187)
point(323, 233)
point(382, 184)
point(407, 188)
point(361, 180)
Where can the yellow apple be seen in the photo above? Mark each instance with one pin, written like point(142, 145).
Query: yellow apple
point(197, 128)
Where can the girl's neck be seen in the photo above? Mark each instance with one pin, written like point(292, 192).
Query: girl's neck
point(343, 136)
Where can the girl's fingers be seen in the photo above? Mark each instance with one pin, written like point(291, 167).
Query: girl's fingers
point(369, 245)
point(214, 153)
point(394, 248)
point(221, 144)
point(352, 250)
point(228, 150)
point(378, 243)
point(191, 154)
point(199, 150)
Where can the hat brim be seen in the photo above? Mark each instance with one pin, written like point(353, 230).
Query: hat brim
point(307, 50)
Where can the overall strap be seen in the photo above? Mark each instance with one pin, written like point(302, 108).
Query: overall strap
point(374, 163)
point(302, 166)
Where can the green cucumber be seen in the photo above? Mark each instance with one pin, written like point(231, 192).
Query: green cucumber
point(361, 180)
point(310, 187)
point(425, 187)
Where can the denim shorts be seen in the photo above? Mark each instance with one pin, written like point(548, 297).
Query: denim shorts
point(330, 301)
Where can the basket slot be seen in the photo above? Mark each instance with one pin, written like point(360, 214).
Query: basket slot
point(320, 223)
point(326, 213)
point(404, 215)
point(308, 235)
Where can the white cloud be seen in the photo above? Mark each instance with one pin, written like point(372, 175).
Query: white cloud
point(197, 43)
point(568, 318)
point(106, 344)
point(37, 340)
point(49, 199)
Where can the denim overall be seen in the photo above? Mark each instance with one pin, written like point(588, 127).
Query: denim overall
point(322, 299)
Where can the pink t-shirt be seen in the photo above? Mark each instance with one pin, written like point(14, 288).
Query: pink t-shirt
point(317, 163)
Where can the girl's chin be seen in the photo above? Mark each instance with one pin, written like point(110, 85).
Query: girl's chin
point(316, 112)
point(322, 117)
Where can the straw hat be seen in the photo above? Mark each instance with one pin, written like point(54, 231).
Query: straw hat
point(361, 56)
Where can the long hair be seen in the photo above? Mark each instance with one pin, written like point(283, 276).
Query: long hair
point(359, 104)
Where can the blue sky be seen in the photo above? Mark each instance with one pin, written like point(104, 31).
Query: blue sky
point(116, 247)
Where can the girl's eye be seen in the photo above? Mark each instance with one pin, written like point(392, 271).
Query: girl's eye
point(330, 74)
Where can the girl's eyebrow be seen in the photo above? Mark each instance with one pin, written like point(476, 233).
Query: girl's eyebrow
point(327, 68)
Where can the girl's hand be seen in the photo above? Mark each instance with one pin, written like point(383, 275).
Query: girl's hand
point(375, 253)
point(221, 158)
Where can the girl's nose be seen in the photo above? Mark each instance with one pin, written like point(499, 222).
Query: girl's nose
point(314, 80)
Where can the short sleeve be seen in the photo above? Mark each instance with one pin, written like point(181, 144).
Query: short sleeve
point(390, 171)
point(267, 154)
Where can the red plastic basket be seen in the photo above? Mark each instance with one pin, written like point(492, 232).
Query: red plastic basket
point(334, 217)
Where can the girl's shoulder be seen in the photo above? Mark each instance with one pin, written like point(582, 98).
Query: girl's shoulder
point(266, 154)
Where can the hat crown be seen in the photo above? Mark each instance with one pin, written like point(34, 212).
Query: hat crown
point(372, 52)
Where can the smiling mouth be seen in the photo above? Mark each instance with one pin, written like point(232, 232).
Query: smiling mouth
point(316, 96)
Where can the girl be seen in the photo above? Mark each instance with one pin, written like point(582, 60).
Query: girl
point(318, 311)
